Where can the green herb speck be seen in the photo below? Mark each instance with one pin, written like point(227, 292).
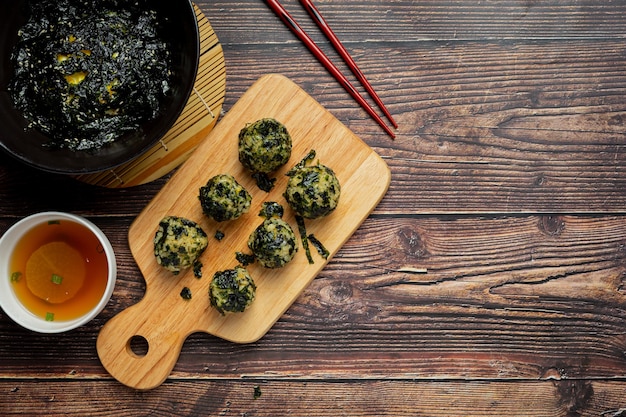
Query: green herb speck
point(56, 279)
point(49, 316)
point(15, 276)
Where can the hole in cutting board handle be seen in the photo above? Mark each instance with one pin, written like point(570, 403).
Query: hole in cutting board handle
point(138, 346)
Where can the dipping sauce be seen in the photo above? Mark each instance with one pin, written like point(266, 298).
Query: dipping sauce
point(59, 270)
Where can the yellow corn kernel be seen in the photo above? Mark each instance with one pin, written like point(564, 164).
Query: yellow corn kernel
point(75, 78)
point(110, 86)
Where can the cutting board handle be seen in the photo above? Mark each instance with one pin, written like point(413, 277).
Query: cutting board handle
point(140, 368)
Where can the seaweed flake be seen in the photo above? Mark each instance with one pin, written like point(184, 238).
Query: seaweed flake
point(264, 181)
point(304, 238)
point(244, 259)
point(197, 269)
point(185, 293)
point(321, 249)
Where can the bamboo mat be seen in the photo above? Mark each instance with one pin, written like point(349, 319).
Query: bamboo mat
point(195, 122)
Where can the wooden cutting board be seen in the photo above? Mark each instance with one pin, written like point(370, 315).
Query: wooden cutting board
point(163, 318)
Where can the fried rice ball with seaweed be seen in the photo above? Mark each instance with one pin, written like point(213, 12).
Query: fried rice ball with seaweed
point(312, 191)
point(273, 243)
point(232, 290)
point(178, 243)
point(264, 146)
point(223, 198)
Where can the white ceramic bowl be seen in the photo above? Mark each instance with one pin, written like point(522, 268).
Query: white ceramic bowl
point(8, 299)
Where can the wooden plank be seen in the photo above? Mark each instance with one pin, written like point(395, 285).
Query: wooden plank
point(506, 107)
point(359, 398)
point(375, 22)
point(506, 297)
point(521, 128)
point(513, 130)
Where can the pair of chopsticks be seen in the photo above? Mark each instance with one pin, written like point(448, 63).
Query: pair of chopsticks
point(327, 63)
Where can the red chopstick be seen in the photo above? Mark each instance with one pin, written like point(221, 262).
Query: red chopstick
point(343, 52)
point(317, 52)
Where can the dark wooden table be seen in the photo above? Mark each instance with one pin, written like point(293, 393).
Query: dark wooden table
point(508, 196)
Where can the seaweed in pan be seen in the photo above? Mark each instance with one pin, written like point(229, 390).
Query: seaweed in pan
point(86, 72)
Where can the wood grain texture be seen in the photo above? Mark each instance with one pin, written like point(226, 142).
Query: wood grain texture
point(488, 281)
point(488, 134)
point(359, 398)
point(517, 297)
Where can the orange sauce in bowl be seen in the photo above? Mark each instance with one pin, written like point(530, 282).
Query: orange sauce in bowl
point(59, 270)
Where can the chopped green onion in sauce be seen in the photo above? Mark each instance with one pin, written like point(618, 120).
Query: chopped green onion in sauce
point(56, 279)
point(16, 276)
